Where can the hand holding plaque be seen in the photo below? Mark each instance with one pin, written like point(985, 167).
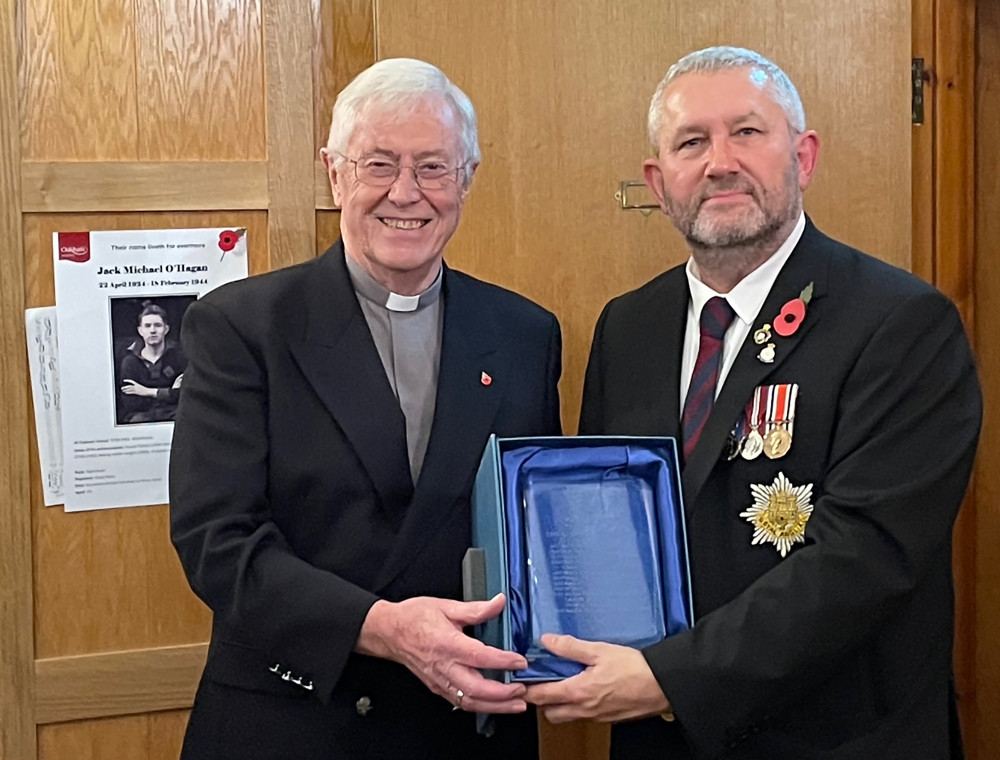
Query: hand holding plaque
point(425, 634)
point(617, 684)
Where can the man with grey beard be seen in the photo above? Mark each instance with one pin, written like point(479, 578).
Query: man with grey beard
point(828, 410)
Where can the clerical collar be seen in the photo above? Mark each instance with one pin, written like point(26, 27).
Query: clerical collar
point(370, 289)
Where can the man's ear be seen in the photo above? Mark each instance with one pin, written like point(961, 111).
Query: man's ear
point(469, 172)
point(652, 173)
point(807, 152)
point(330, 164)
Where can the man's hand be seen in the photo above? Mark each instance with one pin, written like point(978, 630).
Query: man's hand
point(132, 388)
point(617, 684)
point(425, 635)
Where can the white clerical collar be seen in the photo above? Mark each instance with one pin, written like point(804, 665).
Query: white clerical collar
point(748, 295)
point(396, 302)
point(372, 290)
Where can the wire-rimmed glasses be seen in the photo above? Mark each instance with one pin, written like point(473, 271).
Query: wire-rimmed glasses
point(381, 171)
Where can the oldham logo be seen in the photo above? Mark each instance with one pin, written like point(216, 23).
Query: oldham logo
point(74, 246)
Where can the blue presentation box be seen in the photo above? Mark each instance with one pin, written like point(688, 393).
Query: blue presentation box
point(584, 535)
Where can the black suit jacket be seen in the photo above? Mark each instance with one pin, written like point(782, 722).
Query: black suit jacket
point(842, 649)
point(293, 510)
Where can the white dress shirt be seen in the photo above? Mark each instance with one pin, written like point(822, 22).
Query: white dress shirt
point(746, 298)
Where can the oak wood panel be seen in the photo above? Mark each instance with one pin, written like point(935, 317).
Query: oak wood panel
point(987, 321)
point(327, 229)
point(117, 683)
point(343, 45)
point(954, 262)
point(562, 91)
point(288, 38)
point(157, 736)
point(109, 580)
point(17, 736)
point(60, 186)
point(78, 80)
point(200, 80)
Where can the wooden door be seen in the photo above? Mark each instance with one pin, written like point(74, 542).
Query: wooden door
point(562, 90)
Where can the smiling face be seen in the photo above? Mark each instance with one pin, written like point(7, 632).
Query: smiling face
point(398, 233)
point(153, 329)
point(730, 172)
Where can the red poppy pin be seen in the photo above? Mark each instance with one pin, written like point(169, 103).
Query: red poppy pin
point(792, 313)
point(229, 238)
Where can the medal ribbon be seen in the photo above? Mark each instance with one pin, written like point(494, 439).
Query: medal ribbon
point(756, 418)
point(780, 405)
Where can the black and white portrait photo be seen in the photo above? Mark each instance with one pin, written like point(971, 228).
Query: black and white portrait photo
point(149, 362)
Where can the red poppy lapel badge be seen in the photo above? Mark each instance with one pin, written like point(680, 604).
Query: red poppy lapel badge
point(786, 324)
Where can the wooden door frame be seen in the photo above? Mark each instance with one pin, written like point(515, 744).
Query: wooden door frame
point(943, 253)
point(944, 35)
point(17, 681)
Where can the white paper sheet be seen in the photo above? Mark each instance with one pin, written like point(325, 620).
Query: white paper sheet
point(43, 365)
point(120, 297)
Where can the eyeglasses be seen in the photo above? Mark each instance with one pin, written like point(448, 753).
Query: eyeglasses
point(378, 171)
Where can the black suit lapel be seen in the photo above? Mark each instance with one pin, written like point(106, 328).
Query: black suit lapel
point(664, 352)
point(465, 408)
point(809, 262)
point(338, 357)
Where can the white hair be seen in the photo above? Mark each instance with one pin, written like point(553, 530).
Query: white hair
point(721, 58)
point(401, 85)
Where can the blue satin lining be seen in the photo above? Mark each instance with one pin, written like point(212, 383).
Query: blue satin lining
point(640, 481)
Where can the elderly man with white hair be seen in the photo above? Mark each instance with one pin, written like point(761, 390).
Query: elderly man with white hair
point(330, 424)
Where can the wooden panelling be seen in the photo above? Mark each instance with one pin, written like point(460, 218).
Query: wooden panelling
point(110, 580)
point(562, 92)
point(987, 320)
point(79, 81)
point(327, 229)
point(136, 737)
point(288, 37)
point(343, 45)
point(922, 192)
point(17, 731)
point(200, 80)
point(143, 185)
point(117, 683)
point(955, 150)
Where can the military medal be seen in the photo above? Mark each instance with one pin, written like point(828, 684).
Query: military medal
point(779, 513)
point(780, 417)
point(734, 443)
point(777, 442)
point(753, 445)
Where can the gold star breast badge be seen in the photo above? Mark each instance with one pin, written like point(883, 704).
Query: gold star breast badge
point(779, 513)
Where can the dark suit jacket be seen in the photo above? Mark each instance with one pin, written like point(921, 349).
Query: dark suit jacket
point(842, 649)
point(293, 510)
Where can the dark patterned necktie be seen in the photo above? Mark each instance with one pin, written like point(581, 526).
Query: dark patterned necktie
point(716, 317)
